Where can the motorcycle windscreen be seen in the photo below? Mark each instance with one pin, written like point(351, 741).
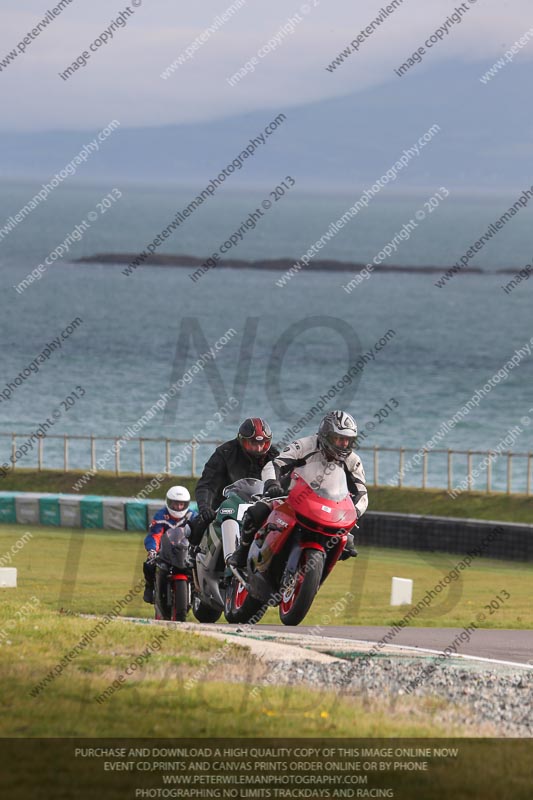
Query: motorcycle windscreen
point(174, 547)
point(320, 490)
point(245, 489)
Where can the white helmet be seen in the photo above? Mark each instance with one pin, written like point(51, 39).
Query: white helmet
point(177, 501)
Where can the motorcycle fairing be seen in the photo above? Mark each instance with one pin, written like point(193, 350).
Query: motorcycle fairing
point(272, 536)
point(318, 512)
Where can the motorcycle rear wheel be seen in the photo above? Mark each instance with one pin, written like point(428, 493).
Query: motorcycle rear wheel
point(298, 593)
point(240, 607)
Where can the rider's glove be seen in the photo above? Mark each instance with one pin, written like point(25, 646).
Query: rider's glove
point(193, 552)
point(247, 525)
point(273, 489)
point(208, 515)
point(151, 557)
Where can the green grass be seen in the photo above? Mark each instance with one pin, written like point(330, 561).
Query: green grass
point(368, 579)
point(86, 571)
point(435, 502)
point(103, 483)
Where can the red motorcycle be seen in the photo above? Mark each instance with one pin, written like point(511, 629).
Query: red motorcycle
point(296, 548)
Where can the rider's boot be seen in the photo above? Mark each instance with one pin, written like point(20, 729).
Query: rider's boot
point(239, 557)
point(253, 519)
point(148, 595)
point(350, 550)
point(149, 580)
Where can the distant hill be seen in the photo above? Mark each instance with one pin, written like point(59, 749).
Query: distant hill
point(334, 144)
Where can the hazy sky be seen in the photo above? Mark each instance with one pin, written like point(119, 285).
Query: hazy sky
point(122, 79)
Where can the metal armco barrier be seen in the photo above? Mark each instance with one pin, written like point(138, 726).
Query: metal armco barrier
point(489, 538)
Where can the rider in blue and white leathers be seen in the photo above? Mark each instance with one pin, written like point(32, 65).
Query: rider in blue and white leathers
point(176, 511)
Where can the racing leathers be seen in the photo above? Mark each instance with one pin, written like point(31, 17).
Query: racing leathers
point(160, 524)
point(307, 449)
point(229, 463)
point(276, 474)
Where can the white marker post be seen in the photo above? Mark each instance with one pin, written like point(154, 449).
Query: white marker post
point(8, 577)
point(401, 592)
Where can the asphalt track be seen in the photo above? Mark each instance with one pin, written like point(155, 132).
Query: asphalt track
point(499, 645)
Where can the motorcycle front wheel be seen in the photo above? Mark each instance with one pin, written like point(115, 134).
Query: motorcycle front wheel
point(161, 607)
point(202, 611)
point(240, 607)
point(299, 590)
point(180, 600)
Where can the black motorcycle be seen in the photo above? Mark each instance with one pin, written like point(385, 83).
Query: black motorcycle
point(173, 575)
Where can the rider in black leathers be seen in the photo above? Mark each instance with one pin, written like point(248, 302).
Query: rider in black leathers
point(242, 457)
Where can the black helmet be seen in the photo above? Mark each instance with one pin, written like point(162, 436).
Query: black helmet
point(337, 434)
point(255, 436)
